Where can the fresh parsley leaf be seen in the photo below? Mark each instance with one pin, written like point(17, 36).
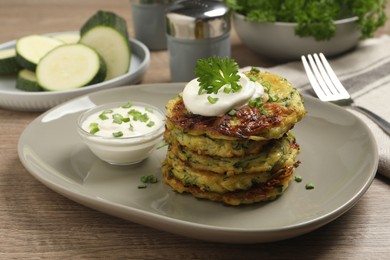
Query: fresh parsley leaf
point(215, 72)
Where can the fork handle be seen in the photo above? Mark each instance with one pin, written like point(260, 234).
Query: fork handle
point(382, 123)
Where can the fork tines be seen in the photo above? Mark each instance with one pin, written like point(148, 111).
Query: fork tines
point(323, 79)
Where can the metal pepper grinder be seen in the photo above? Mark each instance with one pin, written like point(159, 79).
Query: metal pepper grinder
point(196, 29)
point(149, 22)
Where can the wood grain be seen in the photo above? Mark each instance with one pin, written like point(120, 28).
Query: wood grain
point(36, 222)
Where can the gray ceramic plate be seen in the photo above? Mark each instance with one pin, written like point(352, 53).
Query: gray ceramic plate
point(339, 156)
point(15, 99)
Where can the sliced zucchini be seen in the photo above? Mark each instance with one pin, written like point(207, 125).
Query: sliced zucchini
point(27, 81)
point(8, 62)
point(107, 33)
point(70, 66)
point(30, 49)
point(67, 37)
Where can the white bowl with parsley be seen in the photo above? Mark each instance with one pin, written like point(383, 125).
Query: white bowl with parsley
point(287, 29)
point(122, 133)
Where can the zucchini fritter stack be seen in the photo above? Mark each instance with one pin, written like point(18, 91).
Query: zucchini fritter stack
point(237, 158)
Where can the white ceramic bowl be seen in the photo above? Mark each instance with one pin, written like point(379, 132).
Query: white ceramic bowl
point(123, 150)
point(278, 40)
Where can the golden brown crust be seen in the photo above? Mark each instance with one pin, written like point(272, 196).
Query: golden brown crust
point(276, 116)
point(252, 121)
point(259, 193)
point(203, 144)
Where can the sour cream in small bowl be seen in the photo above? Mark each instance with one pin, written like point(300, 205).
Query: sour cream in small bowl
point(122, 133)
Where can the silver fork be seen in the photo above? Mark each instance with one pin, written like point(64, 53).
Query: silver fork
point(329, 88)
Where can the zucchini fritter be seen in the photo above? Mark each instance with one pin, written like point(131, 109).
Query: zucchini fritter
point(282, 108)
point(238, 158)
point(258, 193)
point(275, 153)
point(203, 144)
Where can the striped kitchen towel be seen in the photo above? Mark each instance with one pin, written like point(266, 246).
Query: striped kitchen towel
point(365, 73)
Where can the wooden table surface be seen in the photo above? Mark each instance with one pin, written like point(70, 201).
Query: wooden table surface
point(36, 222)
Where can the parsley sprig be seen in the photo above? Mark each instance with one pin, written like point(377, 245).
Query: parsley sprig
point(215, 72)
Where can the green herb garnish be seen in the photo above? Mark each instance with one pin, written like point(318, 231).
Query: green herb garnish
point(212, 100)
point(128, 105)
point(117, 134)
point(298, 178)
point(103, 115)
point(213, 73)
point(94, 128)
point(138, 116)
point(309, 186)
point(150, 124)
point(256, 102)
point(232, 112)
point(147, 179)
point(117, 119)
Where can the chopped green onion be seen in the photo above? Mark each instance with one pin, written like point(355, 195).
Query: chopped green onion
point(309, 186)
point(147, 179)
point(131, 127)
point(94, 130)
point(117, 119)
point(232, 112)
point(298, 178)
point(150, 124)
point(254, 69)
point(138, 116)
point(252, 78)
point(128, 105)
point(212, 100)
point(227, 90)
point(103, 116)
point(273, 98)
point(266, 85)
point(256, 102)
point(117, 134)
point(91, 125)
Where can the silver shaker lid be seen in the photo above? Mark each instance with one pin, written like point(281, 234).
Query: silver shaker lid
point(197, 19)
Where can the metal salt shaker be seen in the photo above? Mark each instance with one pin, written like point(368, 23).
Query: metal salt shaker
point(196, 29)
point(149, 22)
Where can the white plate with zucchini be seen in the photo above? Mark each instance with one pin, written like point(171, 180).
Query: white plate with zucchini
point(17, 99)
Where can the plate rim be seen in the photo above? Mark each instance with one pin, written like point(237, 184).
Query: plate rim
point(249, 234)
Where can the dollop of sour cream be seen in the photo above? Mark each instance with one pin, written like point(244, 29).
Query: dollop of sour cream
point(199, 104)
point(124, 121)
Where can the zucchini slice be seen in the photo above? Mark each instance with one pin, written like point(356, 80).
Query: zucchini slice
point(67, 37)
point(107, 33)
point(30, 49)
point(8, 63)
point(70, 66)
point(27, 81)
